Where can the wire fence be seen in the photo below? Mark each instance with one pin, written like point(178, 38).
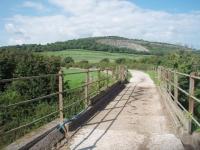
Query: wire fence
point(21, 113)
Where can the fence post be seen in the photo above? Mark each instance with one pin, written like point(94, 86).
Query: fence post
point(191, 101)
point(99, 82)
point(166, 79)
point(169, 83)
point(107, 81)
point(175, 87)
point(167, 75)
point(87, 80)
point(60, 88)
point(125, 72)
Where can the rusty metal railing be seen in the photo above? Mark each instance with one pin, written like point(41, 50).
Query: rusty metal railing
point(170, 81)
point(90, 88)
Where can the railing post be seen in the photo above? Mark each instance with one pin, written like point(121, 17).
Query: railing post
point(191, 101)
point(125, 72)
point(169, 83)
point(176, 87)
point(167, 75)
point(107, 81)
point(60, 88)
point(87, 80)
point(166, 78)
point(99, 82)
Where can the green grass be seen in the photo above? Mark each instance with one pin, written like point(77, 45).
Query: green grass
point(153, 75)
point(76, 80)
point(91, 56)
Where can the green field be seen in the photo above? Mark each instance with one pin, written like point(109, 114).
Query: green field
point(75, 80)
point(91, 56)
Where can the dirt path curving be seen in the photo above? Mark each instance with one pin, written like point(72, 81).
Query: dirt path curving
point(135, 119)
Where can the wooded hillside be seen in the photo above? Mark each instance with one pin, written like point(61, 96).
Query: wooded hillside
point(108, 44)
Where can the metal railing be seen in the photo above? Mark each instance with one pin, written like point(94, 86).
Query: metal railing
point(170, 81)
point(87, 90)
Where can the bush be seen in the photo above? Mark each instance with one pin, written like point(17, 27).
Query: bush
point(105, 60)
point(21, 64)
point(120, 61)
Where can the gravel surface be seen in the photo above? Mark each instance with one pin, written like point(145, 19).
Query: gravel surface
point(135, 119)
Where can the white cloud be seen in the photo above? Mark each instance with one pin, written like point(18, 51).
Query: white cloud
point(34, 5)
point(83, 18)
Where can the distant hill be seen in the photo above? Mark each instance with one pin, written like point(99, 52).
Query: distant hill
point(108, 43)
point(123, 44)
point(141, 45)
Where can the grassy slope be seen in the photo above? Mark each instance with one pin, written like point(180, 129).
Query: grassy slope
point(92, 56)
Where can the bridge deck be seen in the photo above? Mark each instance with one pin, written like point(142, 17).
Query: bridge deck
point(135, 119)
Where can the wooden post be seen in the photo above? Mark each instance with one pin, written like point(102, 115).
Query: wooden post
point(176, 87)
point(107, 81)
point(125, 72)
point(99, 82)
point(169, 83)
point(87, 80)
point(60, 88)
point(167, 77)
point(191, 100)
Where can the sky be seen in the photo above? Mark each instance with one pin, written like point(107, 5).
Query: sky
point(47, 21)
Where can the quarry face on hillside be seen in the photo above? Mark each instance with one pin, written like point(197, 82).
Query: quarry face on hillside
point(123, 44)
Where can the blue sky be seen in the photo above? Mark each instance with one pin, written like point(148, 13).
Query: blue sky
point(44, 21)
point(175, 6)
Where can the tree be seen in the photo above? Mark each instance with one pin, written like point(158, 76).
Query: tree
point(68, 60)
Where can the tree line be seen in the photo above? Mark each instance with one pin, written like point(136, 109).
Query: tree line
point(86, 43)
point(14, 64)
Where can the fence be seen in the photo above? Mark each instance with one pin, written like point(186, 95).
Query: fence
point(76, 99)
point(171, 82)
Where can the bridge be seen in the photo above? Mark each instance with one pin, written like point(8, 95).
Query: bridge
point(115, 113)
